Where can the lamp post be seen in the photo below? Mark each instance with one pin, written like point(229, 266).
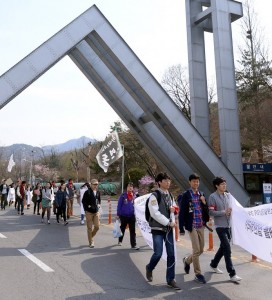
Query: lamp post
point(123, 167)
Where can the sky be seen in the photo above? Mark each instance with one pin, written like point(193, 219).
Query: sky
point(62, 104)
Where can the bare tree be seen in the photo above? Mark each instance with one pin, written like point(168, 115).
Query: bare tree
point(254, 85)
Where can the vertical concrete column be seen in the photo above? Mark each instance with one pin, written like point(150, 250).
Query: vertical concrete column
point(226, 87)
point(197, 71)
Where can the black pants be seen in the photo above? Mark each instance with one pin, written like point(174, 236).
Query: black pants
point(224, 235)
point(130, 221)
point(20, 204)
point(3, 201)
point(37, 204)
point(61, 211)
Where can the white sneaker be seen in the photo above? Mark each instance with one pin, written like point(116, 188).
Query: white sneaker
point(235, 278)
point(42, 220)
point(119, 244)
point(82, 222)
point(216, 270)
point(48, 222)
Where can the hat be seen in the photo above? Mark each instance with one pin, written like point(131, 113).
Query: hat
point(94, 181)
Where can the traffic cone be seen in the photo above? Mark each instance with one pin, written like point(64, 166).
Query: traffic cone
point(110, 216)
point(210, 236)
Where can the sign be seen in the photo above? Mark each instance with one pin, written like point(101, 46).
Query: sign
point(252, 229)
point(257, 167)
point(110, 151)
point(267, 193)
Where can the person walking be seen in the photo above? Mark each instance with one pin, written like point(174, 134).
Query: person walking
point(29, 195)
point(11, 195)
point(161, 207)
point(60, 202)
point(126, 214)
point(82, 190)
point(4, 189)
point(37, 198)
point(91, 202)
point(220, 209)
point(47, 197)
point(21, 194)
point(70, 202)
point(193, 216)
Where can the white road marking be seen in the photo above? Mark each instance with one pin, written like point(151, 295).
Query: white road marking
point(2, 236)
point(36, 261)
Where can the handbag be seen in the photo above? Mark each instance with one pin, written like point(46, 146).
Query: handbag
point(117, 230)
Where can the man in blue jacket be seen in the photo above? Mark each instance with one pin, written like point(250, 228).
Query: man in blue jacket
point(126, 214)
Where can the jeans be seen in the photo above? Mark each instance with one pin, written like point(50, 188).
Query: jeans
point(224, 250)
point(158, 239)
point(20, 205)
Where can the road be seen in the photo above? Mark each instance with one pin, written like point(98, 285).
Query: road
point(41, 261)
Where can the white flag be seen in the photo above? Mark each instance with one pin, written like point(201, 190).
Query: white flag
point(11, 163)
point(111, 151)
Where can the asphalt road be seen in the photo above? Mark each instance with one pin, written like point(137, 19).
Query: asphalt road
point(41, 261)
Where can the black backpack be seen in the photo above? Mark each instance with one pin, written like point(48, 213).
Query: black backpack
point(157, 194)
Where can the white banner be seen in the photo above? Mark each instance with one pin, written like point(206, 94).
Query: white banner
point(252, 229)
point(139, 206)
point(11, 163)
point(110, 151)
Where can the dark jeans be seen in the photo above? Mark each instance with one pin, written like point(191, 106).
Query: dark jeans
point(224, 235)
point(130, 221)
point(158, 240)
point(61, 211)
point(20, 204)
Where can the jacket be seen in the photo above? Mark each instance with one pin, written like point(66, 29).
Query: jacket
point(159, 212)
point(60, 199)
point(90, 201)
point(186, 213)
point(125, 206)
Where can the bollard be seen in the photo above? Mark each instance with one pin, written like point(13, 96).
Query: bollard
point(176, 233)
point(254, 258)
point(210, 236)
point(110, 217)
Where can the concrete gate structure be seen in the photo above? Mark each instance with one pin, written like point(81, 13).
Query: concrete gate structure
point(131, 90)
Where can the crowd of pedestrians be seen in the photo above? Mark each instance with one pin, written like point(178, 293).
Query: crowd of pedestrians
point(193, 211)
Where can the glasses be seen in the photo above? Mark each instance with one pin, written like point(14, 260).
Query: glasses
point(94, 183)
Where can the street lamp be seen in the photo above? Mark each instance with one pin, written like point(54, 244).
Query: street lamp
point(31, 166)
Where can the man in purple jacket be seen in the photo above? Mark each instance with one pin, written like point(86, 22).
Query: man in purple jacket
point(126, 214)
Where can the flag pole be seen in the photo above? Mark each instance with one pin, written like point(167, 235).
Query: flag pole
point(123, 167)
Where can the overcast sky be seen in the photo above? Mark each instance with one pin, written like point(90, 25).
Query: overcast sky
point(62, 104)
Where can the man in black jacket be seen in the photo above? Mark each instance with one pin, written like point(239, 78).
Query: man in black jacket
point(91, 202)
point(194, 214)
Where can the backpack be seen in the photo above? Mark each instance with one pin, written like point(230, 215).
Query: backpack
point(157, 193)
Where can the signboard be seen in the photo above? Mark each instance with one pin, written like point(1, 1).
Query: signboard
point(257, 167)
point(267, 193)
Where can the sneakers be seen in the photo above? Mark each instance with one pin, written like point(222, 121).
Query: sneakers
point(119, 244)
point(148, 274)
point(235, 278)
point(42, 220)
point(22, 214)
point(82, 222)
point(66, 223)
point(91, 245)
point(200, 278)
point(48, 222)
point(216, 270)
point(186, 266)
point(135, 247)
point(173, 285)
